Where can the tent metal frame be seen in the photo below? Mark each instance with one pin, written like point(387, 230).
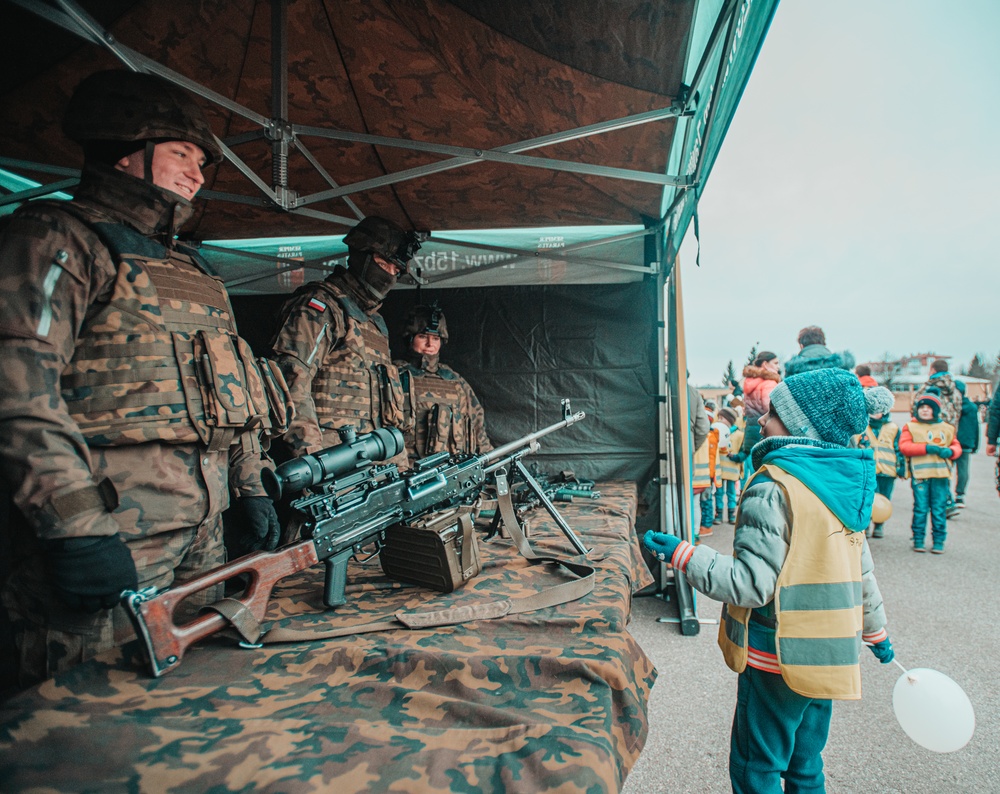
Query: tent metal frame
point(284, 135)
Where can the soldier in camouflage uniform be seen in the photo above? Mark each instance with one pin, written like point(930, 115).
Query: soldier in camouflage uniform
point(129, 407)
point(333, 346)
point(443, 412)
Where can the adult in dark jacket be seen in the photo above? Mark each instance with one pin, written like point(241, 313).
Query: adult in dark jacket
point(813, 353)
point(968, 437)
point(993, 430)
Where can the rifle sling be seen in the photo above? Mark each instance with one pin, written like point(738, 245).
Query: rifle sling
point(579, 586)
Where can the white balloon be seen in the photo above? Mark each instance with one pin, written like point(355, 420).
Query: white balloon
point(933, 710)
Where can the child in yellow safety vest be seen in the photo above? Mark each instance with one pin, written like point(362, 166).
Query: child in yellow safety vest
point(726, 471)
point(799, 590)
point(704, 475)
point(882, 435)
point(930, 445)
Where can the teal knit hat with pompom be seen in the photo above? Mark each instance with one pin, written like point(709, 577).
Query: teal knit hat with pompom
point(824, 404)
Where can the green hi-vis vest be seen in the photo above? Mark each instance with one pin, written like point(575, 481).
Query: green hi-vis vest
point(817, 602)
point(884, 449)
point(926, 467)
point(700, 477)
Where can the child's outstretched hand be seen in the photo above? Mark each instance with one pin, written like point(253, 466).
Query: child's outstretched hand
point(661, 544)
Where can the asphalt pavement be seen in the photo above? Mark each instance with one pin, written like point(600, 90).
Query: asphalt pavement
point(942, 614)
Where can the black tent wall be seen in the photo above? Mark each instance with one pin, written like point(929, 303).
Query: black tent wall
point(523, 349)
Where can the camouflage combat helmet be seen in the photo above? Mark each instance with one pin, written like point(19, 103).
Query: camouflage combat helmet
point(118, 105)
point(424, 319)
point(374, 235)
point(381, 236)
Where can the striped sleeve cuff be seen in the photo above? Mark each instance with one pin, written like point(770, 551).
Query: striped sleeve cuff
point(875, 636)
point(682, 554)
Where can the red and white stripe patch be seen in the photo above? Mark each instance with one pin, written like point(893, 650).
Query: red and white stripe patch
point(682, 556)
point(318, 305)
point(761, 660)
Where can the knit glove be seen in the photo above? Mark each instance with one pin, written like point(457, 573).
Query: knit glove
point(263, 530)
point(933, 449)
point(945, 452)
point(883, 651)
point(737, 457)
point(89, 574)
point(661, 544)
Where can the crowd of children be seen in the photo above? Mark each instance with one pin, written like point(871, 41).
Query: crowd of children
point(799, 591)
point(927, 449)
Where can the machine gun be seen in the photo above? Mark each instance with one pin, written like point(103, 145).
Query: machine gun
point(351, 503)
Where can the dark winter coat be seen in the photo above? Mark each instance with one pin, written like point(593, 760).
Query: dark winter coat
point(993, 420)
point(817, 357)
point(968, 426)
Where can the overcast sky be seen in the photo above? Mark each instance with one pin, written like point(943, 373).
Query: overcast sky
point(857, 189)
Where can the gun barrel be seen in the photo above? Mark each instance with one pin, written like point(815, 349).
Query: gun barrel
point(497, 457)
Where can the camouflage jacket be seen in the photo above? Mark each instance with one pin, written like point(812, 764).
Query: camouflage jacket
point(442, 409)
point(333, 349)
point(58, 279)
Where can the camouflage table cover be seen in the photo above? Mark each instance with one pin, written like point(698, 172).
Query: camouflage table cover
point(551, 700)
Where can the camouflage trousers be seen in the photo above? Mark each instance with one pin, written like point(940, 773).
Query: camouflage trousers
point(51, 638)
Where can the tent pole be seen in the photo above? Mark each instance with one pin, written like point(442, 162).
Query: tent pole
point(677, 380)
point(279, 132)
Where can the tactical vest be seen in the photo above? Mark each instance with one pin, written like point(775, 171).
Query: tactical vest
point(926, 467)
point(818, 610)
point(357, 383)
point(884, 448)
point(161, 360)
point(437, 406)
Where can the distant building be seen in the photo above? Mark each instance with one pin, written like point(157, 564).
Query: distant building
point(907, 374)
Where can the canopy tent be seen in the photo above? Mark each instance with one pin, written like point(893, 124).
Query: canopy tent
point(443, 116)
point(557, 149)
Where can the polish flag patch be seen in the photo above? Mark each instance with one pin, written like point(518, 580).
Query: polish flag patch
point(317, 305)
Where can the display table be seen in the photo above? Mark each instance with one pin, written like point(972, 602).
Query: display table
point(551, 700)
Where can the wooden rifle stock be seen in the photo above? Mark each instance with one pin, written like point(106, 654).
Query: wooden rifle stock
point(152, 613)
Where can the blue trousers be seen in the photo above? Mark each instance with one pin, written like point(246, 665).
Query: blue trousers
point(725, 493)
point(962, 473)
point(707, 511)
point(777, 734)
point(930, 495)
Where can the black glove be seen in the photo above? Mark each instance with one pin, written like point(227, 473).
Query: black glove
point(89, 574)
point(263, 530)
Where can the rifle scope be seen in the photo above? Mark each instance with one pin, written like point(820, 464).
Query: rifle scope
point(328, 464)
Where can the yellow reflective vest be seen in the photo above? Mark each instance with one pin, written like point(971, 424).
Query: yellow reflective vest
point(701, 477)
point(926, 467)
point(883, 445)
point(818, 609)
point(728, 470)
